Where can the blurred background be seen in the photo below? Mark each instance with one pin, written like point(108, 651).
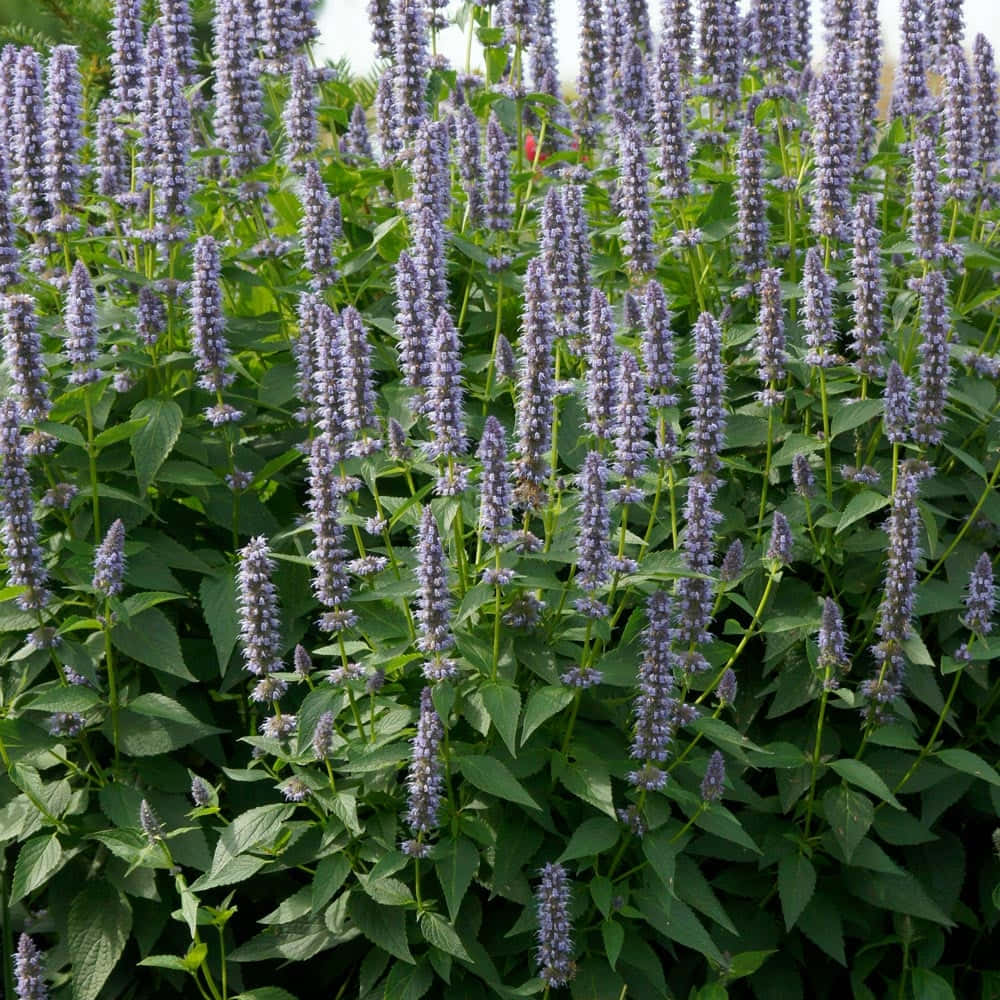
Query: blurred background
point(345, 33)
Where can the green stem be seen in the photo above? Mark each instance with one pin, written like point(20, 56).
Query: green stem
point(810, 801)
point(92, 462)
point(109, 662)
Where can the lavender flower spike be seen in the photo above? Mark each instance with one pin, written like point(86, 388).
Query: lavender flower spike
point(832, 641)
point(22, 348)
point(960, 126)
point(555, 943)
point(817, 306)
point(497, 198)
point(653, 704)
point(987, 113)
point(9, 256)
point(170, 144)
point(412, 322)
point(109, 152)
point(981, 598)
point(834, 151)
point(445, 394)
point(425, 781)
point(752, 210)
point(671, 129)
point(20, 530)
point(126, 56)
point(260, 628)
point(80, 319)
point(208, 340)
point(593, 560)
point(714, 782)
point(63, 135)
point(869, 293)
point(925, 200)
point(29, 972)
point(496, 500)
point(357, 385)
point(694, 594)
point(897, 416)
point(411, 67)
point(593, 81)
point(771, 353)
point(328, 555)
point(109, 562)
point(434, 597)
point(318, 230)
point(28, 161)
point(708, 384)
point(779, 548)
point(631, 446)
point(633, 193)
point(535, 389)
point(658, 347)
point(935, 371)
point(602, 364)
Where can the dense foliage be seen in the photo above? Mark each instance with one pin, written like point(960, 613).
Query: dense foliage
point(462, 543)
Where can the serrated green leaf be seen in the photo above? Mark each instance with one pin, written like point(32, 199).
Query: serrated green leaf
point(384, 927)
point(151, 638)
point(847, 416)
point(438, 932)
point(100, 920)
point(503, 703)
point(119, 432)
point(592, 836)
point(613, 936)
point(218, 607)
point(153, 443)
point(900, 893)
point(796, 885)
point(491, 775)
point(856, 772)
point(455, 871)
point(38, 859)
point(849, 814)
point(543, 703)
point(969, 763)
point(865, 503)
point(929, 985)
point(331, 873)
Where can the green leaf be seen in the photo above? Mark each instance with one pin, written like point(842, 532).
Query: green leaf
point(929, 985)
point(119, 432)
point(599, 833)
point(331, 873)
point(99, 923)
point(386, 927)
point(855, 772)
point(543, 703)
point(661, 852)
point(491, 775)
point(38, 858)
point(680, 925)
point(218, 607)
point(849, 814)
point(613, 936)
point(230, 871)
point(455, 870)
point(151, 638)
point(166, 962)
point(746, 963)
point(408, 982)
point(969, 763)
point(847, 416)
point(441, 934)
point(820, 922)
point(503, 703)
point(865, 503)
point(796, 885)
point(900, 893)
point(75, 698)
point(154, 724)
point(266, 993)
point(152, 444)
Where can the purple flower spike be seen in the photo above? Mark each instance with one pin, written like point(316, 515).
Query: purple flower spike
point(678, 33)
point(535, 388)
point(498, 207)
point(126, 56)
point(299, 115)
point(935, 369)
point(357, 384)
point(911, 96)
point(633, 194)
point(434, 598)
point(779, 548)
point(445, 393)
point(708, 385)
point(29, 971)
point(425, 780)
point(178, 28)
point(329, 556)
point(496, 500)
point(771, 354)
point(602, 365)
point(867, 49)
point(834, 148)
point(981, 597)
point(9, 256)
point(109, 562)
point(557, 257)
point(817, 306)
point(318, 228)
point(593, 553)
point(714, 782)
point(961, 137)
point(357, 143)
point(869, 294)
point(693, 594)
point(22, 348)
point(20, 530)
point(555, 943)
point(658, 347)
point(109, 151)
point(80, 319)
point(654, 703)
point(208, 339)
point(412, 321)
point(752, 210)
point(411, 67)
point(260, 627)
point(173, 184)
point(832, 640)
point(467, 155)
point(897, 417)
point(987, 114)
point(671, 129)
point(631, 446)
point(63, 135)
point(28, 160)
point(720, 44)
